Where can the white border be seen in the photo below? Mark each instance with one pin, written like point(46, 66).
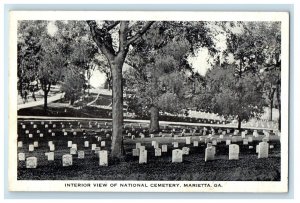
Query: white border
point(228, 186)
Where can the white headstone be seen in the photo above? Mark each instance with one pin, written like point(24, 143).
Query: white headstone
point(188, 140)
point(102, 143)
point(73, 150)
point(52, 147)
point(214, 142)
point(250, 139)
point(80, 154)
point(26, 131)
point(36, 144)
point(221, 136)
point(69, 143)
point(176, 156)
point(31, 147)
point(74, 133)
point(103, 158)
point(93, 146)
point(157, 152)
point(50, 156)
point(263, 150)
point(31, 162)
point(30, 135)
point(228, 142)
point(34, 126)
point(53, 134)
point(50, 143)
point(21, 156)
point(67, 160)
point(41, 135)
point(210, 153)
point(137, 145)
point(234, 151)
point(164, 148)
point(243, 134)
point(185, 150)
point(20, 144)
point(245, 141)
point(86, 143)
point(97, 150)
point(143, 156)
point(175, 144)
point(135, 152)
point(74, 146)
point(49, 131)
point(196, 143)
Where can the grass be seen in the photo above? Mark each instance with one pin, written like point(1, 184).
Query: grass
point(193, 167)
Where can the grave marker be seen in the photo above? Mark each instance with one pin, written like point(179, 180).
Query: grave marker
point(143, 156)
point(209, 153)
point(67, 160)
point(185, 151)
point(135, 152)
point(20, 144)
point(102, 143)
point(31, 147)
point(36, 144)
point(31, 162)
point(164, 148)
point(41, 135)
point(263, 150)
point(175, 144)
point(195, 143)
point(234, 151)
point(80, 154)
point(245, 141)
point(86, 143)
point(157, 152)
point(176, 156)
point(69, 143)
point(103, 159)
point(93, 146)
point(21, 156)
point(188, 140)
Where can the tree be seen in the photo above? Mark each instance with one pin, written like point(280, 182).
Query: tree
point(234, 93)
point(257, 48)
point(116, 53)
point(159, 79)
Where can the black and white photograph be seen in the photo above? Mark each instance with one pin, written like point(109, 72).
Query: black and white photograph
point(148, 101)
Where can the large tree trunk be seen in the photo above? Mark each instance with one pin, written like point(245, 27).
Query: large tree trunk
point(117, 108)
point(45, 101)
point(239, 123)
point(154, 119)
point(279, 107)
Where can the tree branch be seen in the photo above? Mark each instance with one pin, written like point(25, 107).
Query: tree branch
point(102, 38)
point(140, 33)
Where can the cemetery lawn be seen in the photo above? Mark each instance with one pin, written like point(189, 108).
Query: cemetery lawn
point(193, 167)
